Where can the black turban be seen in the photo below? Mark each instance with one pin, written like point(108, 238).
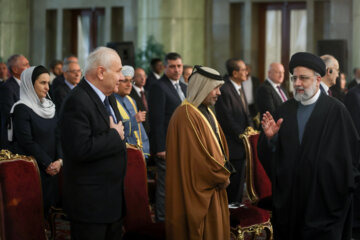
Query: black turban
point(308, 60)
point(37, 72)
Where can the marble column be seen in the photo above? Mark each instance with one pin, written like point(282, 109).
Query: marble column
point(355, 34)
point(178, 25)
point(14, 28)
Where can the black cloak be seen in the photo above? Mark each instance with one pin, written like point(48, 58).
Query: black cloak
point(313, 181)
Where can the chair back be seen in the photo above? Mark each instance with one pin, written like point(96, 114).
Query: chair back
point(136, 192)
point(21, 204)
point(258, 184)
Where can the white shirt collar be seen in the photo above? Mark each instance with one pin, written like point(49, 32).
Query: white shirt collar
point(156, 75)
point(69, 84)
point(326, 88)
point(97, 91)
point(236, 86)
point(357, 80)
point(275, 85)
point(17, 80)
point(313, 99)
point(138, 90)
point(174, 82)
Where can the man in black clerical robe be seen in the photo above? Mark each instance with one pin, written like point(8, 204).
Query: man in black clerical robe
point(315, 154)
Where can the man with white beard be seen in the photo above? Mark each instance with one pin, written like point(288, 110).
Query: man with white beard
point(314, 145)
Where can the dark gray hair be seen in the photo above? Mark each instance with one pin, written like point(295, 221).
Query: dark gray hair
point(12, 61)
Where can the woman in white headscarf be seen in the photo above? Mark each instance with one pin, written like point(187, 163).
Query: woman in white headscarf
point(33, 129)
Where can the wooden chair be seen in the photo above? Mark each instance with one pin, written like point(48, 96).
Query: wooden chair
point(21, 204)
point(258, 184)
point(138, 223)
point(250, 221)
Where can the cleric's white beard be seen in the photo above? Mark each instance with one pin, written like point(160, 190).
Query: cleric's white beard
point(308, 92)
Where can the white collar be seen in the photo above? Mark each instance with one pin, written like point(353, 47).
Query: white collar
point(326, 88)
point(357, 80)
point(236, 85)
point(275, 85)
point(17, 80)
point(138, 90)
point(69, 84)
point(156, 75)
point(174, 82)
point(100, 94)
point(313, 99)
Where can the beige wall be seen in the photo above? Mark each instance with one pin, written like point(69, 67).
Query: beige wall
point(14, 27)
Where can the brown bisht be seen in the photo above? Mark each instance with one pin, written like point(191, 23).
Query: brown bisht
point(196, 208)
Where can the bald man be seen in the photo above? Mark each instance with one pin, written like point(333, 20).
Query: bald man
point(332, 72)
point(270, 94)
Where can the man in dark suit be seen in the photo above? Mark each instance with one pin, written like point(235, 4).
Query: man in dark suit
point(72, 76)
point(352, 103)
point(10, 93)
point(92, 138)
point(356, 79)
point(233, 115)
point(270, 94)
point(332, 72)
point(164, 97)
point(59, 80)
point(139, 94)
point(157, 68)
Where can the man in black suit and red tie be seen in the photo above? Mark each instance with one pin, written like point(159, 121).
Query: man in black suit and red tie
point(233, 115)
point(270, 95)
point(92, 138)
point(10, 93)
point(139, 94)
point(164, 97)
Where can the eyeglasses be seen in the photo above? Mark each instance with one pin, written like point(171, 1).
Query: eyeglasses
point(74, 71)
point(302, 78)
point(243, 70)
point(127, 81)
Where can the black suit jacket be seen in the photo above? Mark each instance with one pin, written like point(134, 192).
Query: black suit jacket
point(9, 94)
point(151, 79)
point(352, 84)
point(267, 99)
point(163, 100)
point(59, 80)
point(352, 103)
point(141, 107)
point(233, 119)
point(59, 94)
point(94, 158)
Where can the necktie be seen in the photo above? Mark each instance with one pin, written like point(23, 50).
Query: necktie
point(108, 108)
point(143, 99)
point(329, 93)
point(243, 101)
point(283, 97)
point(179, 91)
